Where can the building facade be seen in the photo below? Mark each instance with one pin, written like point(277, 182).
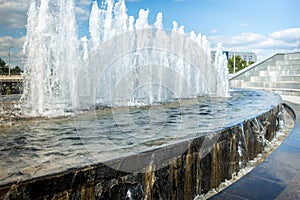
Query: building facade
point(246, 56)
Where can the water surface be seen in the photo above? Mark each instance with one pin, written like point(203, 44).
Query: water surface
point(34, 147)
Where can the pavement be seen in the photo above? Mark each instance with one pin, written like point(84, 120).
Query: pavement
point(278, 177)
point(11, 78)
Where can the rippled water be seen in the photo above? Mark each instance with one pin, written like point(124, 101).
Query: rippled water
point(34, 147)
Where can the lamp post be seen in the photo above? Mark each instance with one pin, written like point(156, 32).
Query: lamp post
point(9, 61)
point(234, 58)
point(8, 53)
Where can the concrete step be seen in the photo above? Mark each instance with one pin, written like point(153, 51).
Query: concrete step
point(279, 73)
point(280, 91)
point(289, 72)
point(292, 56)
point(287, 92)
point(283, 67)
point(284, 85)
point(287, 62)
point(275, 78)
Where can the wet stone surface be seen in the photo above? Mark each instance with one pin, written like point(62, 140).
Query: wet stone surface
point(152, 174)
point(277, 177)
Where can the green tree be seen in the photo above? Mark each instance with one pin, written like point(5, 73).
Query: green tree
point(239, 64)
point(2, 63)
point(16, 71)
point(3, 67)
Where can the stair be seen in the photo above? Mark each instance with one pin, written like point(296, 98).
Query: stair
point(279, 73)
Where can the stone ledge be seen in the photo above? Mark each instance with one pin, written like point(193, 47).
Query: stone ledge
point(205, 163)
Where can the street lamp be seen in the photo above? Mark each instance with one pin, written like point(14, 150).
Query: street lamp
point(9, 61)
point(234, 58)
point(8, 51)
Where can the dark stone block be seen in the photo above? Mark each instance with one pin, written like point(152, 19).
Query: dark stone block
point(203, 163)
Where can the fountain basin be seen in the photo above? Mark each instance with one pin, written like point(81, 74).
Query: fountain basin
point(69, 164)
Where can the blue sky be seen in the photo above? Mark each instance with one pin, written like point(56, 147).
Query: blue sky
point(228, 17)
point(261, 26)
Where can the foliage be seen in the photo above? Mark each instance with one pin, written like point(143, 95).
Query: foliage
point(239, 64)
point(2, 63)
point(5, 71)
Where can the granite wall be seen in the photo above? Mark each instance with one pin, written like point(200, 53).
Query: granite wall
point(278, 73)
point(199, 169)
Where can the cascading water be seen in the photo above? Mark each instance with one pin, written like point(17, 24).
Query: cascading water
point(63, 72)
point(52, 57)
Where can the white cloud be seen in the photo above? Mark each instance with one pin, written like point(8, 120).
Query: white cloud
point(288, 35)
point(13, 13)
point(271, 43)
point(244, 39)
point(285, 40)
point(14, 45)
point(8, 41)
point(244, 24)
point(213, 31)
point(248, 38)
point(82, 10)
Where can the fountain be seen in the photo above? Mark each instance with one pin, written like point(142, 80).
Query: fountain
point(156, 65)
point(51, 47)
point(132, 109)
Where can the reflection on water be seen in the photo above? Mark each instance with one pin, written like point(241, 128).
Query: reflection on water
point(34, 147)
